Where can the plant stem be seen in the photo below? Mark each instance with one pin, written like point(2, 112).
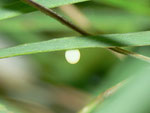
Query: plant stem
point(79, 18)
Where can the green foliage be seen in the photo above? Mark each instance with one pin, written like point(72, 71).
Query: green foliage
point(124, 23)
point(133, 94)
point(104, 41)
point(138, 6)
point(3, 109)
point(16, 7)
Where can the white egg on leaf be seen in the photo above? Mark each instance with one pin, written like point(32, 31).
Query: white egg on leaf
point(72, 56)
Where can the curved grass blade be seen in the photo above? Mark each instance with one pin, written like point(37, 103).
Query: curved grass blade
point(100, 98)
point(133, 97)
point(105, 41)
point(126, 74)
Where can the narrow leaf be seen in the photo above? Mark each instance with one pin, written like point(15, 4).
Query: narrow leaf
point(105, 41)
point(133, 97)
point(16, 8)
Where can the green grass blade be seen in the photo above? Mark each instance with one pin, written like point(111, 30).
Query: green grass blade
point(133, 96)
point(123, 72)
point(16, 8)
point(105, 41)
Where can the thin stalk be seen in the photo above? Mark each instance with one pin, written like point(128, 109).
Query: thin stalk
point(99, 99)
point(56, 16)
point(62, 20)
point(130, 53)
point(79, 18)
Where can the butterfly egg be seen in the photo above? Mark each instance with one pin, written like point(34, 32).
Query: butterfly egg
point(72, 56)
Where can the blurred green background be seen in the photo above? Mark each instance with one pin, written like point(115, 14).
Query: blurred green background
point(47, 83)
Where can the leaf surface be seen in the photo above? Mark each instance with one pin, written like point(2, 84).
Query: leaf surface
point(105, 41)
point(17, 7)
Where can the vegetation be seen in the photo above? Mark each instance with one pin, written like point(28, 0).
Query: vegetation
point(74, 56)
